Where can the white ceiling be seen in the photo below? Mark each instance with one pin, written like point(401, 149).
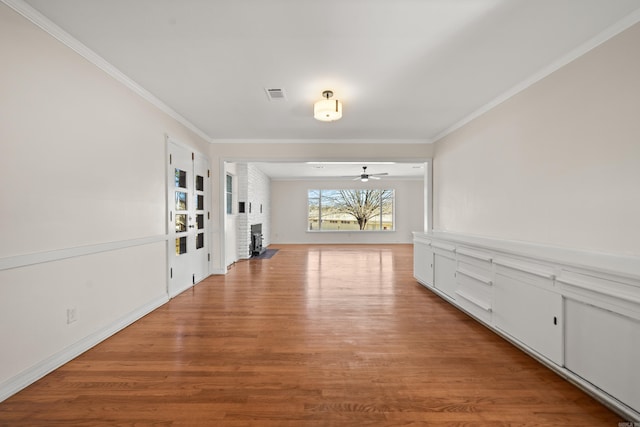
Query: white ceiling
point(406, 70)
point(343, 171)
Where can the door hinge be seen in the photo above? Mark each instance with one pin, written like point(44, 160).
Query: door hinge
point(171, 273)
point(170, 158)
point(208, 215)
point(208, 173)
point(555, 320)
point(170, 216)
point(208, 257)
point(193, 279)
point(193, 156)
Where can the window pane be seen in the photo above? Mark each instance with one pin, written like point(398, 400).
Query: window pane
point(200, 221)
point(181, 223)
point(181, 178)
point(181, 201)
point(350, 210)
point(200, 241)
point(199, 202)
point(314, 210)
point(229, 192)
point(199, 183)
point(181, 245)
point(387, 210)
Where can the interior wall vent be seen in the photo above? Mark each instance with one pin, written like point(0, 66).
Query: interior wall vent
point(275, 94)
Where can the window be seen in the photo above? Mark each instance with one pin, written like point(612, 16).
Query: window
point(350, 210)
point(229, 194)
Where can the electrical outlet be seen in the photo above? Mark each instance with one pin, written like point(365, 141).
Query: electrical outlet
point(72, 315)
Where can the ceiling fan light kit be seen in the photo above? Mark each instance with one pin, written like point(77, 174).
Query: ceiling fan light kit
point(364, 176)
point(327, 109)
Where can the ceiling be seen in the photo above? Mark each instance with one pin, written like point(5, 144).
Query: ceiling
point(344, 171)
point(405, 70)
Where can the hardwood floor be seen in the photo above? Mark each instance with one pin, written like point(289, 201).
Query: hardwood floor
point(315, 336)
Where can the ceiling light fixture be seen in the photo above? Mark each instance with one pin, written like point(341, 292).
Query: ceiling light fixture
point(327, 110)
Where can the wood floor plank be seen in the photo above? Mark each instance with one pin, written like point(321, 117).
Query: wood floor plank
point(326, 335)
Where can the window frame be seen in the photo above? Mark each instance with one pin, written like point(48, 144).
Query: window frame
point(228, 195)
point(341, 221)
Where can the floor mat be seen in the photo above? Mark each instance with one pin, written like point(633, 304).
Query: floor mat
point(266, 254)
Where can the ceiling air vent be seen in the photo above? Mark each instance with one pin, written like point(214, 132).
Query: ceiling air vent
point(275, 94)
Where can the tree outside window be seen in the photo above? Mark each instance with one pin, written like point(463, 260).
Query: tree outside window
point(351, 210)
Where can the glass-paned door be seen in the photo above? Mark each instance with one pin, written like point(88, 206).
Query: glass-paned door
point(188, 214)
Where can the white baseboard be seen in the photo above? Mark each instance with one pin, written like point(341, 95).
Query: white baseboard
point(175, 293)
point(33, 374)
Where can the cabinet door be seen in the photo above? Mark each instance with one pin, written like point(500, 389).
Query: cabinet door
point(529, 313)
point(445, 275)
point(423, 263)
point(604, 348)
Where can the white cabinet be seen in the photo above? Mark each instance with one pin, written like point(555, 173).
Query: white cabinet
point(602, 332)
point(581, 320)
point(445, 275)
point(475, 283)
point(423, 262)
point(604, 348)
point(527, 307)
point(444, 268)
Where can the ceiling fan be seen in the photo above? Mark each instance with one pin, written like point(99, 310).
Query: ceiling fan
point(364, 176)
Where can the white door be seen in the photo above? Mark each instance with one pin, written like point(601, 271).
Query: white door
point(188, 216)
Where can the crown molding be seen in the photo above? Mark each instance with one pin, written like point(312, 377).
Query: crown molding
point(628, 21)
point(67, 39)
point(318, 141)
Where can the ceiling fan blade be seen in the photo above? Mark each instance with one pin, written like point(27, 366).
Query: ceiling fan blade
point(374, 177)
point(357, 178)
point(379, 174)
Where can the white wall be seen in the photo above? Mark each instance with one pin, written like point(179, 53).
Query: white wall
point(557, 164)
point(82, 160)
point(290, 212)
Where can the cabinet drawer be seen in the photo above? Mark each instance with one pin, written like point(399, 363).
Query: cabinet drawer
point(474, 294)
point(477, 259)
